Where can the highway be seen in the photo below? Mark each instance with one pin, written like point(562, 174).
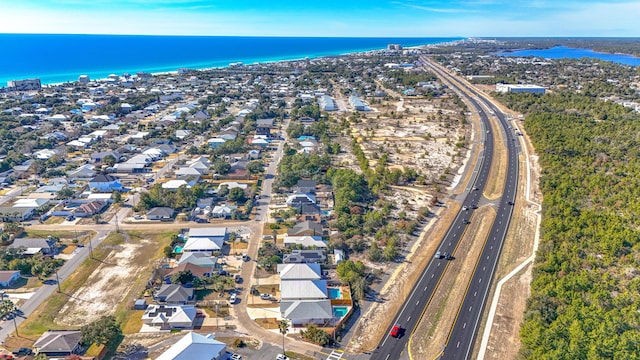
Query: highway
point(418, 300)
point(465, 329)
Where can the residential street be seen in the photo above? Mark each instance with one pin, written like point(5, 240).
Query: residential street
point(245, 324)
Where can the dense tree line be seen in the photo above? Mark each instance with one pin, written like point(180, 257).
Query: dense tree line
point(293, 167)
point(180, 199)
point(585, 292)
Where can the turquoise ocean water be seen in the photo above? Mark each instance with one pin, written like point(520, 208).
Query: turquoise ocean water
point(58, 58)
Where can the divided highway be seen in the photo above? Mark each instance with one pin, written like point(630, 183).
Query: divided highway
point(465, 330)
point(415, 305)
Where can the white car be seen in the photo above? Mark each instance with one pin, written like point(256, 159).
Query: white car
point(282, 357)
point(235, 357)
point(233, 298)
point(265, 296)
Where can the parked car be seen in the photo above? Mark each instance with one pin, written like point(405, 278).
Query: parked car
point(237, 278)
point(71, 218)
point(265, 296)
point(233, 298)
point(282, 357)
point(22, 352)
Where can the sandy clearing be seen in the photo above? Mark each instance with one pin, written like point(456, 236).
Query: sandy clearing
point(105, 289)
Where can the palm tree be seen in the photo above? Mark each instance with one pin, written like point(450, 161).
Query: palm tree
point(284, 329)
point(8, 310)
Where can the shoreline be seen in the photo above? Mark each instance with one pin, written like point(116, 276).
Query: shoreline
point(56, 79)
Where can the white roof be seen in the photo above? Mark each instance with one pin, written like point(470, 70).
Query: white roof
point(194, 346)
point(179, 314)
point(76, 143)
point(29, 203)
point(174, 184)
point(231, 185)
point(99, 196)
point(305, 241)
point(207, 232)
point(299, 271)
point(203, 244)
point(303, 289)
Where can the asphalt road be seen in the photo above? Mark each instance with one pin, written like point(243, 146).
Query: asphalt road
point(465, 330)
point(7, 327)
point(416, 303)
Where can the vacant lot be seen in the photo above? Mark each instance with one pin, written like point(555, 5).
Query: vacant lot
point(115, 283)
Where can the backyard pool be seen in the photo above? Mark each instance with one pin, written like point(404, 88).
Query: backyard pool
point(340, 311)
point(178, 250)
point(334, 293)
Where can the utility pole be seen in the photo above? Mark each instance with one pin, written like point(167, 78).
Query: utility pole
point(15, 324)
point(58, 281)
point(217, 317)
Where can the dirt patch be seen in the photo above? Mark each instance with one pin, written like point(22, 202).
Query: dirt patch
point(504, 342)
point(105, 288)
point(441, 313)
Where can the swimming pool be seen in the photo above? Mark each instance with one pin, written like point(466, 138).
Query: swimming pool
point(178, 250)
point(340, 311)
point(334, 293)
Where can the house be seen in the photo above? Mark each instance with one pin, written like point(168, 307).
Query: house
point(215, 142)
point(58, 343)
point(310, 228)
point(194, 346)
point(200, 259)
point(91, 208)
point(231, 185)
point(299, 271)
point(207, 240)
point(304, 241)
point(175, 184)
point(174, 294)
point(309, 212)
point(303, 312)
point(32, 246)
point(160, 213)
point(83, 172)
point(264, 126)
point(100, 156)
point(200, 271)
point(8, 277)
point(105, 183)
point(15, 214)
point(305, 257)
point(299, 199)
point(166, 317)
point(261, 143)
point(303, 289)
point(306, 187)
point(223, 211)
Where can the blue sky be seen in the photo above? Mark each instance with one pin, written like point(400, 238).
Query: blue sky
point(410, 18)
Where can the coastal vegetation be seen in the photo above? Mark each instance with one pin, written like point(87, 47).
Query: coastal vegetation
point(584, 292)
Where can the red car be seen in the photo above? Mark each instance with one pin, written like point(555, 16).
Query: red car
point(395, 331)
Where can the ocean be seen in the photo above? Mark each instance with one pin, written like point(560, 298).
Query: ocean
point(563, 52)
point(56, 58)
